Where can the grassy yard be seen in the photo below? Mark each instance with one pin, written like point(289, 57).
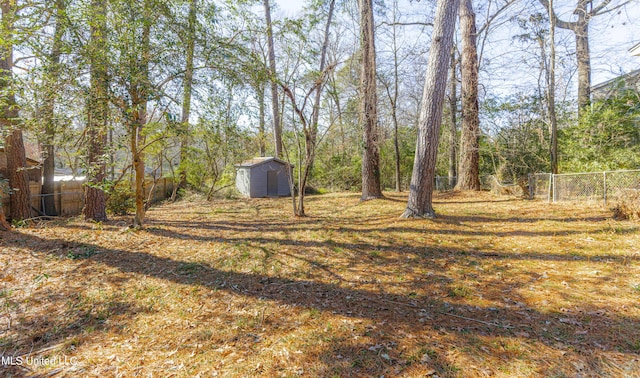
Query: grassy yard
point(495, 286)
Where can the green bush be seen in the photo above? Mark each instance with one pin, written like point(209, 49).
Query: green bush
point(228, 193)
point(231, 193)
point(606, 138)
point(121, 200)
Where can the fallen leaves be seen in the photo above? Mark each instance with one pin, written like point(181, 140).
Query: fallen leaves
point(211, 288)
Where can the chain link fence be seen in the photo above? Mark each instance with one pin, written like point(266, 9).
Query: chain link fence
point(445, 183)
point(596, 186)
point(539, 186)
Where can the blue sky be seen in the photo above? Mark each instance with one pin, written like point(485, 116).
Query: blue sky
point(290, 7)
point(611, 37)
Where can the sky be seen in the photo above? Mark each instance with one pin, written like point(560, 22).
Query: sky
point(610, 37)
point(290, 7)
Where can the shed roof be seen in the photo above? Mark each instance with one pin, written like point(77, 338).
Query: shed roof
point(260, 160)
point(32, 152)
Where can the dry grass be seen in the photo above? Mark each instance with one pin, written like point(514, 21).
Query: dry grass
point(493, 287)
point(628, 206)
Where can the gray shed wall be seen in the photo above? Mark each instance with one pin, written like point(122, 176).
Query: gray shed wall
point(259, 179)
point(243, 180)
point(253, 183)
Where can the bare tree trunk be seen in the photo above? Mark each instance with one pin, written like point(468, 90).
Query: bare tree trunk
point(343, 138)
point(315, 115)
point(368, 107)
point(136, 140)
point(420, 204)
point(396, 148)
point(585, 10)
point(186, 99)
point(393, 99)
point(262, 148)
point(310, 130)
point(139, 98)
point(97, 111)
point(312, 138)
point(4, 225)
point(453, 120)
point(302, 185)
point(292, 189)
point(581, 30)
point(469, 169)
point(50, 93)
point(551, 92)
point(277, 126)
point(333, 93)
point(20, 195)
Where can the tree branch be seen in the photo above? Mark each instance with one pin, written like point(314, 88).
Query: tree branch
point(559, 23)
point(599, 9)
point(406, 23)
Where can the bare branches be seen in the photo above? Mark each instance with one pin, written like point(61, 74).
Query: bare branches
point(559, 23)
point(415, 23)
point(600, 8)
point(484, 28)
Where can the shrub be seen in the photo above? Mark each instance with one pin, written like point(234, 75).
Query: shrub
point(231, 193)
point(629, 206)
point(228, 193)
point(506, 189)
point(122, 200)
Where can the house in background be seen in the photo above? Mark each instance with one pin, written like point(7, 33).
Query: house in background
point(34, 167)
point(628, 81)
point(608, 88)
point(263, 177)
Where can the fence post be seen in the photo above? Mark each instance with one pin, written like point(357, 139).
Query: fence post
point(550, 187)
point(605, 187)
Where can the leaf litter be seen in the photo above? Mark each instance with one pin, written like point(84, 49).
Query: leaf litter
point(494, 286)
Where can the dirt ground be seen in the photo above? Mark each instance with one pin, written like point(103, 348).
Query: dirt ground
point(495, 286)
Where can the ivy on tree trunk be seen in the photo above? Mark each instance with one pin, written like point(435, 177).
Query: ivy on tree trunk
point(20, 195)
point(95, 207)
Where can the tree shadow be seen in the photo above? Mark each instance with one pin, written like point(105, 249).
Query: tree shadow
point(512, 320)
point(364, 248)
point(60, 330)
point(433, 302)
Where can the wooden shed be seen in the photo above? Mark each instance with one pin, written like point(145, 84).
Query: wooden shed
point(34, 168)
point(263, 177)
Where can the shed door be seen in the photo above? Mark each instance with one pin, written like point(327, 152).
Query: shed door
point(272, 183)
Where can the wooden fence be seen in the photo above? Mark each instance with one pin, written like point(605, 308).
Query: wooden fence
point(162, 190)
point(69, 195)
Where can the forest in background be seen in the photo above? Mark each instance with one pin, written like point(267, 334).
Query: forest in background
point(118, 90)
